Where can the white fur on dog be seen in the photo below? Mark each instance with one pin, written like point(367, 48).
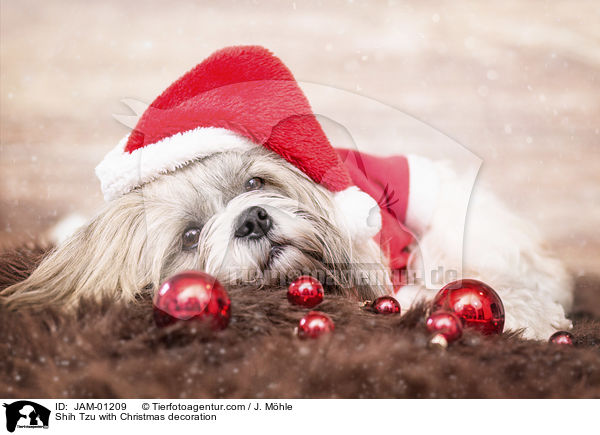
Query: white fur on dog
point(424, 184)
point(499, 249)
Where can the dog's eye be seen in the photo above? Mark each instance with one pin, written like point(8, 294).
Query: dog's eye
point(254, 183)
point(190, 238)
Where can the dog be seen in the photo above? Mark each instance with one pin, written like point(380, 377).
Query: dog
point(255, 213)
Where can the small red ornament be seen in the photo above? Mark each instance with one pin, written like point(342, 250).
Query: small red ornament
point(315, 324)
point(445, 323)
point(562, 337)
point(305, 291)
point(192, 295)
point(386, 305)
point(476, 303)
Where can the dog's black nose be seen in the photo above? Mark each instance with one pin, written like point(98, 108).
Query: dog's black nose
point(253, 223)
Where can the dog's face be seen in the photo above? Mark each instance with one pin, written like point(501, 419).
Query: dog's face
point(247, 218)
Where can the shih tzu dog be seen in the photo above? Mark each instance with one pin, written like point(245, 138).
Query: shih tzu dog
point(228, 171)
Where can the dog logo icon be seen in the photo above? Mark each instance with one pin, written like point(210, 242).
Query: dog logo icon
point(26, 414)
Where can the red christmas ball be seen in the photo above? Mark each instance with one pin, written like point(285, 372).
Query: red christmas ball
point(305, 291)
point(315, 324)
point(386, 305)
point(192, 295)
point(476, 303)
point(445, 323)
point(562, 337)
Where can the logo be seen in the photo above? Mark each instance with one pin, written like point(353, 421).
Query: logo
point(26, 414)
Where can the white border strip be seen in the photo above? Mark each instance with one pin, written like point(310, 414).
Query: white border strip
point(120, 172)
point(423, 194)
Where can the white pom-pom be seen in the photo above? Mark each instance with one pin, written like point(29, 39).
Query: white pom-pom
point(359, 211)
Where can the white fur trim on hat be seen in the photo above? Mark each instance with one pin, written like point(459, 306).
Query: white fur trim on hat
point(120, 172)
point(359, 211)
point(424, 187)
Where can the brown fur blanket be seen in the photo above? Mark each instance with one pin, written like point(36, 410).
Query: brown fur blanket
point(115, 351)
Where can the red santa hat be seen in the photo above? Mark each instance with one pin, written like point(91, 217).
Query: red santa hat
point(238, 98)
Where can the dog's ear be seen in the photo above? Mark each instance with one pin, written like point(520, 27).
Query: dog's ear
point(104, 258)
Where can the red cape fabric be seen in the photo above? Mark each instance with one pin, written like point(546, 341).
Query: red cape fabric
point(386, 180)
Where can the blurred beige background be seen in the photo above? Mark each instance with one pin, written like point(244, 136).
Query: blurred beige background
point(516, 82)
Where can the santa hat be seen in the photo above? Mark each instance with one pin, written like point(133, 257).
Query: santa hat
point(238, 98)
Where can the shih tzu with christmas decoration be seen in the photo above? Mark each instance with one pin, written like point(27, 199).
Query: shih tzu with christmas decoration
point(228, 171)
